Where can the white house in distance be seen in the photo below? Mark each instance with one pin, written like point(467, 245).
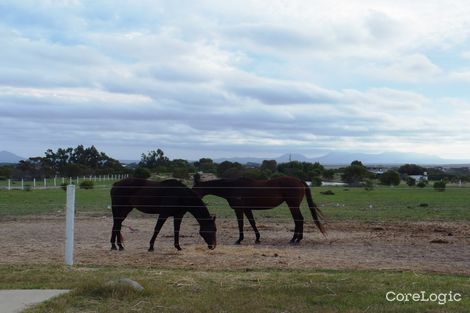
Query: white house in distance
point(419, 178)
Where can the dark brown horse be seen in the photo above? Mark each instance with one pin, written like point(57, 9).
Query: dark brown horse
point(245, 195)
point(166, 198)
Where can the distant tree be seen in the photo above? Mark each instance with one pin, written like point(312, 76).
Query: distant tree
point(6, 171)
point(228, 169)
point(232, 172)
point(357, 162)
point(257, 173)
point(390, 178)
point(206, 165)
point(355, 173)
point(411, 169)
point(79, 161)
point(269, 165)
point(438, 174)
point(312, 171)
point(154, 160)
point(293, 168)
point(328, 174)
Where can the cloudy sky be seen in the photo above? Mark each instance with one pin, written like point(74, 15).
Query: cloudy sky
point(235, 78)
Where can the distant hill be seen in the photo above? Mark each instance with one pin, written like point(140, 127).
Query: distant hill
point(8, 157)
point(345, 158)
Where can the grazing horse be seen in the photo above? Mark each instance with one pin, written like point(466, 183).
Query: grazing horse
point(166, 198)
point(244, 195)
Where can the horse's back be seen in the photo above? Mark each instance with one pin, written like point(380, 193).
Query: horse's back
point(154, 197)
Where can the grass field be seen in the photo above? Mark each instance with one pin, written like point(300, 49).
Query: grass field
point(269, 290)
point(380, 204)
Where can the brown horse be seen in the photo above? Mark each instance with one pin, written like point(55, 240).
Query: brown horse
point(244, 195)
point(166, 198)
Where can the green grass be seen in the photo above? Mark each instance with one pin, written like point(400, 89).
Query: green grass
point(39, 201)
point(380, 204)
point(170, 290)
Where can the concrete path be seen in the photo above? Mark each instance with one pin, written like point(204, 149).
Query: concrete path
point(14, 301)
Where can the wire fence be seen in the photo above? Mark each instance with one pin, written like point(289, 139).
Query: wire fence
point(58, 182)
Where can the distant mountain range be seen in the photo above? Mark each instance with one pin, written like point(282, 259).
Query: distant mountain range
point(332, 158)
point(345, 158)
point(8, 157)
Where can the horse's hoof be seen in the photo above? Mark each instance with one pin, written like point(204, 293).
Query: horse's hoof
point(257, 241)
point(113, 248)
point(121, 248)
point(178, 248)
point(238, 242)
point(150, 249)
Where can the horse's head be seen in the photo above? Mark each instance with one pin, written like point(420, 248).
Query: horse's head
point(208, 231)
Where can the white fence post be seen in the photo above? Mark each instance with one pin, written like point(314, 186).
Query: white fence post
point(69, 224)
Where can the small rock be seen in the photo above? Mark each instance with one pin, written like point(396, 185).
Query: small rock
point(439, 241)
point(126, 282)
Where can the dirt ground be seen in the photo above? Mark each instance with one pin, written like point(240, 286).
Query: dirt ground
point(418, 246)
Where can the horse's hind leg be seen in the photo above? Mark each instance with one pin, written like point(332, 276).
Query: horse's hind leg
point(251, 219)
point(177, 225)
point(161, 220)
point(299, 224)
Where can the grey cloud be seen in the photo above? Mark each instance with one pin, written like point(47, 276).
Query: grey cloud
point(278, 92)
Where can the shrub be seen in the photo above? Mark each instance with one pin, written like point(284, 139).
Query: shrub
point(440, 185)
point(87, 184)
point(64, 186)
point(410, 181)
point(142, 172)
point(181, 173)
point(421, 184)
point(316, 182)
point(368, 185)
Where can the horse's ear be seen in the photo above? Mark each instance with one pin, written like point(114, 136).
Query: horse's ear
point(213, 217)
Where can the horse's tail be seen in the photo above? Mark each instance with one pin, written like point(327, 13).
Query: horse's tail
point(316, 213)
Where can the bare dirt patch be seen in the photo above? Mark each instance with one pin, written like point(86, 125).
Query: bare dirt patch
point(417, 246)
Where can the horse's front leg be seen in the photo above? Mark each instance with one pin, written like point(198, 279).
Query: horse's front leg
point(177, 225)
point(251, 219)
point(116, 233)
point(239, 214)
point(161, 220)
